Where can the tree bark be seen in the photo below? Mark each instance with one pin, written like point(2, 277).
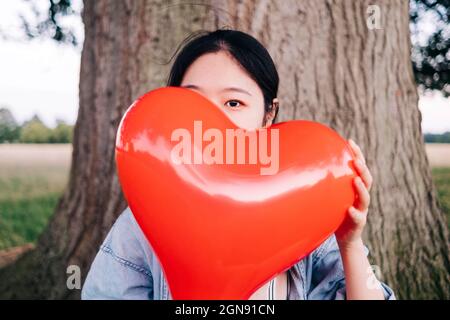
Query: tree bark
point(333, 69)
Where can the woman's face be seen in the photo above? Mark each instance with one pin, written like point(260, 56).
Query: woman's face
point(223, 81)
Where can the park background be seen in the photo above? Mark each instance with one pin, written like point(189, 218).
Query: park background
point(41, 47)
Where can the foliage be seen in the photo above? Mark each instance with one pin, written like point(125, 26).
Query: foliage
point(35, 131)
point(32, 131)
point(437, 138)
point(9, 129)
point(431, 56)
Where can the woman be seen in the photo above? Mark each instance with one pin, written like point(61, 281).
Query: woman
point(234, 71)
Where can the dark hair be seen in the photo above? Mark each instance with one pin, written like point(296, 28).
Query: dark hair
point(244, 48)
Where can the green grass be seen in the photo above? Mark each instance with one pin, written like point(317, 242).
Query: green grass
point(31, 183)
point(441, 178)
point(23, 220)
point(28, 197)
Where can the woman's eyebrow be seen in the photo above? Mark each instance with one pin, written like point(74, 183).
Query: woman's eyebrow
point(193, 86)
point(237, 90)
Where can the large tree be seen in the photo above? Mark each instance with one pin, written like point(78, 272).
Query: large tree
point(334, 68)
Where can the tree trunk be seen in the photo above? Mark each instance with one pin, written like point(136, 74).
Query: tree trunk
point(333, 69)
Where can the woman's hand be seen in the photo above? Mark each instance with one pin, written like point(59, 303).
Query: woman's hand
point(350, 232)
point(357, 269)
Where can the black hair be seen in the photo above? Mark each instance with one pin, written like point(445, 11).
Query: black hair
point(244, 48)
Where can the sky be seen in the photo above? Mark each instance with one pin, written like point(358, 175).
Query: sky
point(38, 76)
point(41, 77)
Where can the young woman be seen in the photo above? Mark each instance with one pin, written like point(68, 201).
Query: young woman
point(234, 71)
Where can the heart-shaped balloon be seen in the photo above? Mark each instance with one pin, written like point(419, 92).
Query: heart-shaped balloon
point(222, 229)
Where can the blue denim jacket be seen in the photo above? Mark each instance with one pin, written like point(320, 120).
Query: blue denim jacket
point(126, 267)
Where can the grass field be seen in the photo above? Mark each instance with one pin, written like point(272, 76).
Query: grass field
point(33, 177)
point(441, 177)
point(439, 156)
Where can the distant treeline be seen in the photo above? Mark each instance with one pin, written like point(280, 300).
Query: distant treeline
point(32, 131)
point(437, 138)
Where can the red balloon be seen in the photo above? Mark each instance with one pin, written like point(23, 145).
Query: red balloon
point(222, 230)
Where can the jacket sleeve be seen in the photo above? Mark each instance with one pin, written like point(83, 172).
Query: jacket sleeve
point(328, 278)
point(119, 270)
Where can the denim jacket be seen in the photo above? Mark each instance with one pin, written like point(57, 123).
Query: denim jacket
point(126, 267)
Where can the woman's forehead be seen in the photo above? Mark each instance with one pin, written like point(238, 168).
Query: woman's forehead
point(219, 72)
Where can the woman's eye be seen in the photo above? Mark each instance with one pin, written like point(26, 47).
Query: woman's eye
point(234, 104)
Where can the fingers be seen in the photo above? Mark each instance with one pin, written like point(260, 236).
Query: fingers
point(364, 173)
point(357, 150)
point(360, 164)
point(363, 195)
point(358, 217)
